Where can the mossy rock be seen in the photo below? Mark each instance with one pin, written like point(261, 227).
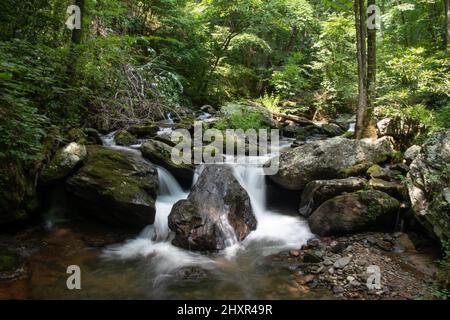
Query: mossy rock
point(124, 138)
point(64, 163)
point(143, 131)
point(17, 193)
point(367, 210)
point(93, 136)
point(77, 135)
point(160, 153)
point(375, 169)
point(8, 261)
point(355, 170)
point(116, 188)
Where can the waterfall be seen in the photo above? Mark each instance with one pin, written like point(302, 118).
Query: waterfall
point(170, 192)
point(279, 231)
point(275, 231)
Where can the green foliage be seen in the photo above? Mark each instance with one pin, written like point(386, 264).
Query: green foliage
point(271, 102)
point(443, 117)
point(335, 67)
point(412, 77)
point(408, 124)
point(33, 93)
point(126, 82)
point(236, 116)
point(292, 78)
point(441, 287)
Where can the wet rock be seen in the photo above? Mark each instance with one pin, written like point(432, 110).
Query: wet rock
point(311, 257)
point(332, 130)
point(294, 253)
point(404, 243)
point(217, 210)
point(304, 279)
point(353, 212)
point(115, 188)
point(318, 161)
point(313, 243)
point(428, 184)
point(319, 191)
point(338, 247)
point(344, 121)
point(160, 153)
point(124, 138)
point(64, 163)
point(338, 290)
point(93, 136)
point(143, 131)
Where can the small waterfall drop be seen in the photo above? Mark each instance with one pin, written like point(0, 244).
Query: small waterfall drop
point(275, 231)
point(278, 231)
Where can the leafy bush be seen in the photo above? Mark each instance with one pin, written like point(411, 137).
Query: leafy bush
point(408, 125)
point(127, 83)
point(412, 77)
point(271, 102)
point(292, 78)
point(335, 67)
point(33, 94)
point(236, 116)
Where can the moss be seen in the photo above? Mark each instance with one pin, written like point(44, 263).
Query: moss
point(144, 131)
point(104, 165)
point(16, 191)
point(8, 262)
point(124, 138)
point(375, 169)
point(77, 135)
point(355, 170)
point(395, 156)
point(349, 135)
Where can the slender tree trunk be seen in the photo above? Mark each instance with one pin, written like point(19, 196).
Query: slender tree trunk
point(369, 129)
point(78, 33)
point(402, 15)
point(447, 23)
point(292, 40)
point(359, 7)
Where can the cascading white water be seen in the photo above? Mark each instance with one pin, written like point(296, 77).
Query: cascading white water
point(275, 231)
point(170, 192)
point(280, 230)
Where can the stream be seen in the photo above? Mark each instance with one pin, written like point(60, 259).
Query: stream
point(150, 267)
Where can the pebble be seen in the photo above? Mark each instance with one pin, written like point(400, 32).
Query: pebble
point(338, 290)
point(342, 262)
point(294, 253)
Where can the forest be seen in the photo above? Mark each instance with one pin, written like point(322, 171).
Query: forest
point(359, 91)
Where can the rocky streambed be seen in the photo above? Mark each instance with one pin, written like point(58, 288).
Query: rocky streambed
point(342, 219)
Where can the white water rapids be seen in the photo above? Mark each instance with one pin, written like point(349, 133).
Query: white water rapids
point(275, 232)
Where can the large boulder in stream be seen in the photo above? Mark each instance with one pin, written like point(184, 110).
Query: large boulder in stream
point(116, 188)
point(361, 211)
point(317, 192)
point(160, 153)
point(429, 185)
point(327, 159)
point(218, 210)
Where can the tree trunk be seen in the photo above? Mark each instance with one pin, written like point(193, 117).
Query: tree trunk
point(362, 65)
point(292, 40)
point(447, 23)
point(78, 33)
point(369, 130)
point(402, 15)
